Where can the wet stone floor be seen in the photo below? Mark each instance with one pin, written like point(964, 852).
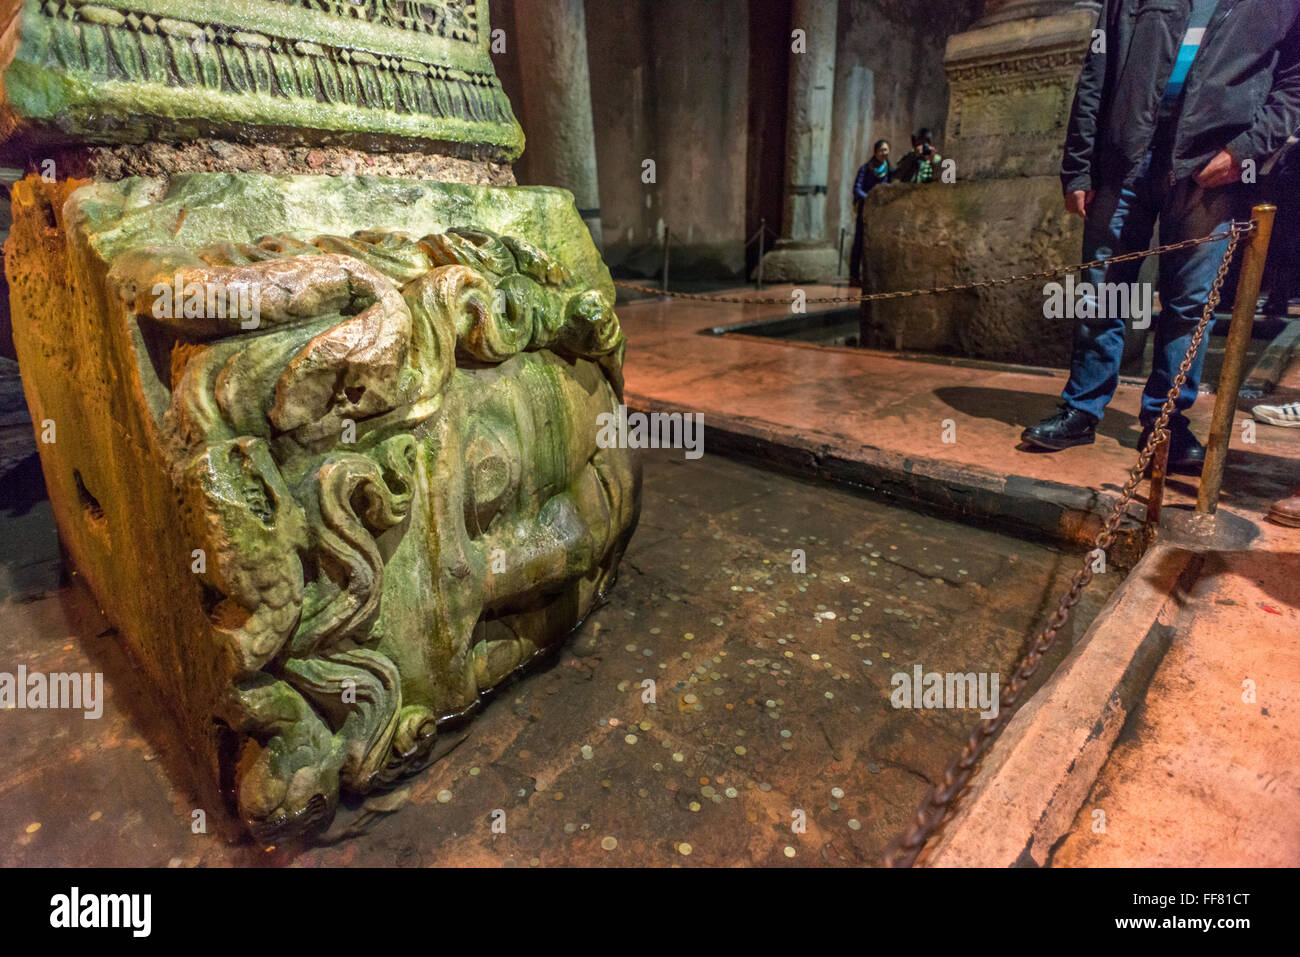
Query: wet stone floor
point(768, 736)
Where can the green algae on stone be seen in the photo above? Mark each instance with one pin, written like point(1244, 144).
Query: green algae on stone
point(288, 71)
point(358, 512)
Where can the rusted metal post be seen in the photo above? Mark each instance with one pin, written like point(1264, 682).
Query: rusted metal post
point(1234, 359)
point(1156, 490)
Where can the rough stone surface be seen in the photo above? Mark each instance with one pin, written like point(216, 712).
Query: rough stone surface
point(359, 512)
point(222, 156)
point(809, 120)
point(1027, 791)
point(17, 442)
point(1204, 774)
point(1012, 83)
point(934, 234)
point(799, 262)
point(363, 73)
point(807, 147)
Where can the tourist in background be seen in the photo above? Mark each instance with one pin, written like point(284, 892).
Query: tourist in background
point(870, 175)
point(922, 164)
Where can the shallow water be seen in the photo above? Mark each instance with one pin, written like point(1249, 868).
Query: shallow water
point(771, 701)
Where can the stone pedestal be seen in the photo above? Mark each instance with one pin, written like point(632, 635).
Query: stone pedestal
point(1012, 83)
point(924, 235)
point(324, 447)
point(803, 253)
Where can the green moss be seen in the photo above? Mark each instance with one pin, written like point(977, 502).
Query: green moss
point(196, 209)
point(266, 70)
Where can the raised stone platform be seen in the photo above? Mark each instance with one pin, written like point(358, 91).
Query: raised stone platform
point(880, 420)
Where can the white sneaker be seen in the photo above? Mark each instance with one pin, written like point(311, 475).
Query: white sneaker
point(1287, 416)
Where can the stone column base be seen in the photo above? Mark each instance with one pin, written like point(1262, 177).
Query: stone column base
point(328, 451)
point(792, 261)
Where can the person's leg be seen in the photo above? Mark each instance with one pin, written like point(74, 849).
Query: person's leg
point(1186, 277)
point(855, 254)
point(1286, 234)
point(1119, 221)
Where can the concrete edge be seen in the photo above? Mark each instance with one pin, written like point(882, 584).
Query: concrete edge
point(1026, 793)
point(1061, 512)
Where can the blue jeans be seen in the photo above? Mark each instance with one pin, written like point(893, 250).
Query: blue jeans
point(1122, 220)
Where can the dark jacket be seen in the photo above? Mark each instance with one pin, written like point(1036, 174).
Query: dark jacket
point(867, 179)
point(1242, 94)
point(909, 169)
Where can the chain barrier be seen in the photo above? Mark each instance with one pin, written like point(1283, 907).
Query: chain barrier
point(1235, 231)
point(939, 801)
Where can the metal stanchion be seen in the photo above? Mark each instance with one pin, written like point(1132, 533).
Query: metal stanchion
point(762, 239)
point(1156, 490)
point(1234, 364)
point(839, 263)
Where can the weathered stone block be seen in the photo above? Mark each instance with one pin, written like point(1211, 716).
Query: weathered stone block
point(372, 74)
point(791, 261)
point(325, 449)
point(938, 234)
point(1011, 82)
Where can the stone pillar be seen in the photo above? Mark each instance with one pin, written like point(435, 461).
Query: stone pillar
point(803, 253)
point(1011, 81)
point(551, 37)
point(854, 109)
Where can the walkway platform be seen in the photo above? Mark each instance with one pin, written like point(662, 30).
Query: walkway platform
point(931, 432)
point(1167, 736)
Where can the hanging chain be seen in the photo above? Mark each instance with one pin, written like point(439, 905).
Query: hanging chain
point(1235, 230)
point(938, 803)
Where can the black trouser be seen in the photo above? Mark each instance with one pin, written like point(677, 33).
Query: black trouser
point(1284, 251)
point(855, 254)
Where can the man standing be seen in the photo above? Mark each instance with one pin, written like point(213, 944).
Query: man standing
point(870, 175)
point(1175, 98)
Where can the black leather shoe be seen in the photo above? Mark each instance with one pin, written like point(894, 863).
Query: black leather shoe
point(1186, 453)
point(1067, 428)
